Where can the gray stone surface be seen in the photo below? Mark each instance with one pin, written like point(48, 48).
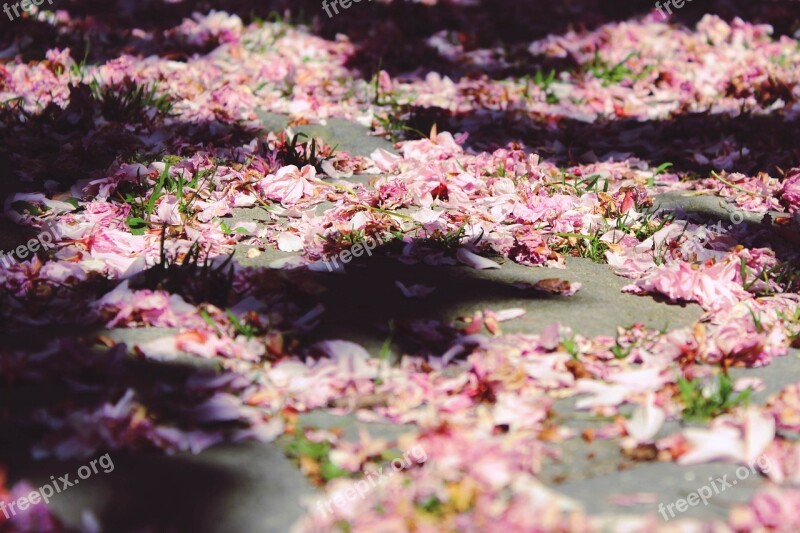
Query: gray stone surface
point(781, 372)
point(597, 309)
point(665, 482)
point(248, 488)
point(342, 134)
point(253, 487)
point(704, 206)
point(351, 427)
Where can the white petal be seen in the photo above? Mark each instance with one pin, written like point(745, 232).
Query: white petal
point(289, 242)
point(647, 419)
point(474, 260)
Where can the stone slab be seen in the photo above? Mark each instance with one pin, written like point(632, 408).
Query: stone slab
point(248, 488)
point(342, 134)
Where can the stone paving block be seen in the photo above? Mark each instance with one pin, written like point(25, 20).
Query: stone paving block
point(352, 426)
point(705, 206)
point(665, 483)
point(597, 309)
point(256, 488)
point(781, 372)
point(341, 134)
point(249, 488)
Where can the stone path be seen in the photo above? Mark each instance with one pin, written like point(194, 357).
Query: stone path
point(253, 487)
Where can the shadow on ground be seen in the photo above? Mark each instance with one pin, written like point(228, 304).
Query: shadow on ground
point(746, 143)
